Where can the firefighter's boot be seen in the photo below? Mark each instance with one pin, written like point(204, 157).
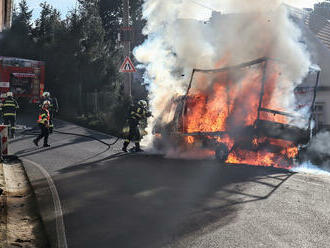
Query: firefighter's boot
point(35, 141)
point(137, 147)
point(46, 142)
point(13, 132)
point(10, 132)
point(124, 149)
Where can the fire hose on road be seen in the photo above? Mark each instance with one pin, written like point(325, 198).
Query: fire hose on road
point(90, 137)
point(34, 131)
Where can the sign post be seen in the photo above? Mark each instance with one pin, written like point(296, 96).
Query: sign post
point(128, 67)
point(127, 32)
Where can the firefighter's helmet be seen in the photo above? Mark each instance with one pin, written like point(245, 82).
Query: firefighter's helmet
point(9, 94)
point(143, 103)
point(46, 94)
point(46, 104)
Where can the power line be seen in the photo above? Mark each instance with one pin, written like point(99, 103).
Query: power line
point(202, 5)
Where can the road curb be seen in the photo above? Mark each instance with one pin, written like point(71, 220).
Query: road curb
point(23, 227)
point(3, 212)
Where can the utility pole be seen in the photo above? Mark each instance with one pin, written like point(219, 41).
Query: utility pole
point(126, 30)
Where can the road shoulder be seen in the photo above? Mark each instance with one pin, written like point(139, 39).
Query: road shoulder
point(21, 224)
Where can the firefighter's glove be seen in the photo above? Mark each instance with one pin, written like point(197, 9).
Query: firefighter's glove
point(148, 114)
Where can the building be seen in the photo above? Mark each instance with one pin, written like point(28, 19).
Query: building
point(316, 34)
point(322, 9)
point(6, 11)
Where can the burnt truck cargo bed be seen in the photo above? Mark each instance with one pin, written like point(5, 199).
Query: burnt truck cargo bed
point(262, 125)
point(282, 131)
point(264, 128)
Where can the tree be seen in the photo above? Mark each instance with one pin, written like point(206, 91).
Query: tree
point(47, 25)
point(80, 52)
point(95, 54)
point(22, 19)
point(137, 21)
point(111, 15)
point(18, 40)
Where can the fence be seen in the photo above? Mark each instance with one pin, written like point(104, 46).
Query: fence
point(95, 102)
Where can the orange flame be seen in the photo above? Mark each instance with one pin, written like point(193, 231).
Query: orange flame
point(231, 103)
point(190, 139)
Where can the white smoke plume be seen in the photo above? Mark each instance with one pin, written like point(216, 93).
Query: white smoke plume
point(316, 159)
point(179, 41)
point(308, 167)
point(319, 150)
point(321, 143)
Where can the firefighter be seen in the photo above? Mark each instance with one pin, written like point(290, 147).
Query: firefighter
point(136, 114)
point(53, 107)
point(43, 121)
point(8, 108)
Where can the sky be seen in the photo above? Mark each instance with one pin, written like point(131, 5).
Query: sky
point(65, 5)
point(62, 5)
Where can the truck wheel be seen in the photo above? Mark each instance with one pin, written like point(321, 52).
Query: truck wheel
point(221, 152)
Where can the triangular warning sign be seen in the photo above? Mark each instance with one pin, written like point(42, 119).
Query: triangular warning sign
point(127, 66)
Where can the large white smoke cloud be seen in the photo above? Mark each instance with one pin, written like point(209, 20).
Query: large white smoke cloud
point(175, 46)
point(319, 149)
point(317, 155)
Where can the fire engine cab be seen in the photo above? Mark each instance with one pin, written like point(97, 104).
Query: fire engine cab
point(24, 77)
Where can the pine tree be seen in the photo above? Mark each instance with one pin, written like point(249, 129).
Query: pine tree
point(22, 19)
point(111, 15)
point(47, 24)
point(17, 41)
point(80, 52)
point(95, 52)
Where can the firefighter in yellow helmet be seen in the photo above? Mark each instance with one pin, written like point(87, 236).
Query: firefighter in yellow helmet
point(8, 108)
point(136, 114)
point(43, 121)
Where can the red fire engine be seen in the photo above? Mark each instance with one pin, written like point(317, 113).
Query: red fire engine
point(24, 77)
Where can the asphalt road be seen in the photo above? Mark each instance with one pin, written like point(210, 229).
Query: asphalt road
point(110, 199)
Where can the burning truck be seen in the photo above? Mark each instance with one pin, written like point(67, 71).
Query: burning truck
point(237, 114)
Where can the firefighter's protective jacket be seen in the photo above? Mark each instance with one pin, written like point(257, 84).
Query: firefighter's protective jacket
point(9, 107)
point(137, 113)
point(44, 117)
point(131, 130)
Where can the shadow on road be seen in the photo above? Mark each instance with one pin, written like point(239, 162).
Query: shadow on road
point(280, 177)
point(73, 139)
point(36, 150)
point(150, 201)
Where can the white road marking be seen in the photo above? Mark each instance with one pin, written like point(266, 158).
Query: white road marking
point(60, 227)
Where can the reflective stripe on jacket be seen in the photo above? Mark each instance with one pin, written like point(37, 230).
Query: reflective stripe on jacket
point(138, 113)
point(44, 117)
point(9, 107)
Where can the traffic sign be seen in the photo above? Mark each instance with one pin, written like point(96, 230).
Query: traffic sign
point(127, 66)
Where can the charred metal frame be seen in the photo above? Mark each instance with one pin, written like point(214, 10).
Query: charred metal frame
point(314, 99)
point(262, 92)
point(264, 60)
